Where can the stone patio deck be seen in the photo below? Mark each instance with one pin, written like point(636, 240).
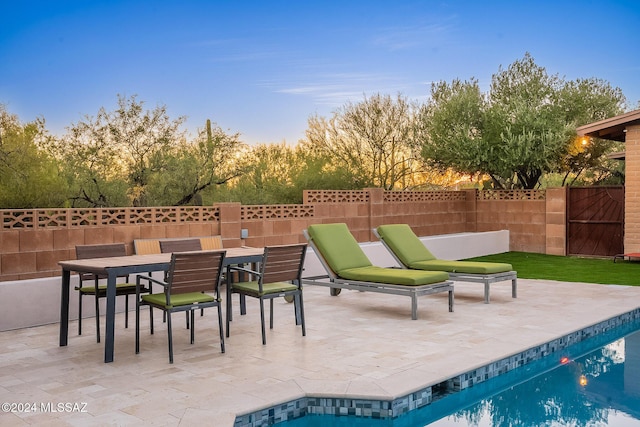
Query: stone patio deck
point(358, 345)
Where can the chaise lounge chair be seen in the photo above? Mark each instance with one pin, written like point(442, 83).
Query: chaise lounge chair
point(348, 267)
point(411, 253)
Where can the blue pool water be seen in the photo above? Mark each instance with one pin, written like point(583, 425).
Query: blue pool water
point(593, 383)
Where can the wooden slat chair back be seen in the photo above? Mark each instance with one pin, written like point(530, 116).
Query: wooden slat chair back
point(185, 245)
point(146, 246)
point(283, 263)
point(211, 243)
point(152, 246)
point(280, 275)
point(193, 282)
point(97, 290)
point(180, 245)
point(194, 274)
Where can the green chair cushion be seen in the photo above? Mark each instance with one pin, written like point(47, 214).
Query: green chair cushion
point(338, 247)
point(394, 276)
point(177, 299)
point(413, 253)
point(267, 288)
point(472, 267)
point(91, 289)
point(404, 243)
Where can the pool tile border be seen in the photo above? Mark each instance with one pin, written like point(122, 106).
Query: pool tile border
point(396, 407)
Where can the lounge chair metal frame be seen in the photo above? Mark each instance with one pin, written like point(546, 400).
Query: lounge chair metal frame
point(486, 279)
point(331, 280)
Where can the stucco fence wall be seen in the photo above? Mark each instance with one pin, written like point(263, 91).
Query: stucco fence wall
point(32, 242)
point(453, 225)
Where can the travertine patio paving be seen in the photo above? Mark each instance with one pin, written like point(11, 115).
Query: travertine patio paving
point(359, 345)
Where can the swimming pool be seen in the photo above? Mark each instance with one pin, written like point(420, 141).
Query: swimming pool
point(593, 383)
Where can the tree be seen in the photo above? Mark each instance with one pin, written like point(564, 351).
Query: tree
point(113, 156)
point(268, 176)
point(29, 175)
point(373, 141)
point(587, 101)
point(195, 167)
point(522, 129)
point(451, 126)
point(316, 169)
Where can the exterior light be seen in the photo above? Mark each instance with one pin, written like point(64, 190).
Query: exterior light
point(583, 380)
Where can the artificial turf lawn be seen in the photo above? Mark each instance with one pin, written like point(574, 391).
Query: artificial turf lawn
point(569, 268)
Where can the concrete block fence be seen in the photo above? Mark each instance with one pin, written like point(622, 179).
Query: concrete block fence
point(33, 241)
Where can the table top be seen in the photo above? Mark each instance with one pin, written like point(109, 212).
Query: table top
point(101, 264)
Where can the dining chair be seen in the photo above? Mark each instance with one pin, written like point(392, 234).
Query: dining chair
point(181, 245)
point(193, 282)
point(100, 290)
point(279, 275)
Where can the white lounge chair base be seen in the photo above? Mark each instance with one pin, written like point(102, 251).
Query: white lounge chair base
point(411, 291)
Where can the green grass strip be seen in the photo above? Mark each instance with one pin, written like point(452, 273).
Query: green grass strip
point(569, 268)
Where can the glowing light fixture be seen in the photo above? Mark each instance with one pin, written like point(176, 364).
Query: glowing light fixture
point(583, 380)
point(564, 360)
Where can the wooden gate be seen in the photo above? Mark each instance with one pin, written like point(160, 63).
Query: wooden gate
point(595, 221)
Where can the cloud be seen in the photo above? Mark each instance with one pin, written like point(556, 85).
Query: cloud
point(337, 89)
point(406, 38)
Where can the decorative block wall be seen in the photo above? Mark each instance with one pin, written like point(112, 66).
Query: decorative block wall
point(33, 241)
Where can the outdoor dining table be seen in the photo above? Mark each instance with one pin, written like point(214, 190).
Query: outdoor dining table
point(114, 267)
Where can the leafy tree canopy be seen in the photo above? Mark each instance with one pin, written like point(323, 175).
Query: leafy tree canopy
point(139, 157)
point(373, 142)
point(519, 131)
point(29, 175)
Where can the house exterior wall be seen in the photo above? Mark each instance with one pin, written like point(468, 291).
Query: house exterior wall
point(632, 190)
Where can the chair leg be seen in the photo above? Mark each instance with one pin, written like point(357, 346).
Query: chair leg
point(220, 328)
point(296, 309)
point(243, 304)
point(270, 313)
point(97, 316)
point(228, 305)
point(138, 325)
point(151, 317)
point(193, 325)
point(126, 311)
point(80, 313)
point(301, 311)
point(264, 334)
point(170, 337)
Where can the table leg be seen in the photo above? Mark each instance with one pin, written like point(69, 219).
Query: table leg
point(110, 317)
point(228, 298)
point(64, 308)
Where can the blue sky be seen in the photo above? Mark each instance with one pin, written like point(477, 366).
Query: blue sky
point(262, 68)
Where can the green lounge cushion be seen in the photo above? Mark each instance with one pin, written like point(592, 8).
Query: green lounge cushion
point(267, 288)
point(394, 276)
point(472, 267)
point(338, 247)
point(413, 253)
point(177, 299)
point(404, 243)
point(345, 257)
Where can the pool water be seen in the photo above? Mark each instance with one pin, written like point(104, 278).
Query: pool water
point(580, 386)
